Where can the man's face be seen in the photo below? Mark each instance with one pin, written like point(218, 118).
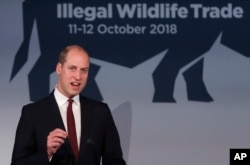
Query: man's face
point(73, 74)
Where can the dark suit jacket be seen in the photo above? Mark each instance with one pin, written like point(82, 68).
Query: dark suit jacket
point(99, 135)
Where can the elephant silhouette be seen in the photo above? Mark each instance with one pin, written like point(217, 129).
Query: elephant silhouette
point(193, 37)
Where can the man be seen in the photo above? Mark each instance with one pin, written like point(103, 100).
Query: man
point(44, 136)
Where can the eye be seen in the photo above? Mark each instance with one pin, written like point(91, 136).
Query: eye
point(72, 68)
point(84, 70)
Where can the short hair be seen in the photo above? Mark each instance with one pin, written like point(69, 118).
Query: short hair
point(63, 54)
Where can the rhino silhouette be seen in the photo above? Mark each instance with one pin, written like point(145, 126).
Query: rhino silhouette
point(194, 37)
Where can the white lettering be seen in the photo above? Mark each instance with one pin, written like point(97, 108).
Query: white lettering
point(68, 10)
point(214, 12)
point(115, 29)
point(240, 156)
point(158, 10)
point(78, 12)
point(126, 10)
point(144, 11)
point(196, 8)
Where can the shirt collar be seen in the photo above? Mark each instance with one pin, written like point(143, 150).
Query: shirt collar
point(61, 99)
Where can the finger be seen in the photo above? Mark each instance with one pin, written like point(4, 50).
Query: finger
point(58, 133)
point(55, 141)
point(54, 145)
point(58, 140)
point(58, 130)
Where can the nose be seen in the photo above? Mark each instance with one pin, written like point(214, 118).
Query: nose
point(77, 75)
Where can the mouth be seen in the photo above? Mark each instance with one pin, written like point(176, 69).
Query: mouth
point(75, 84)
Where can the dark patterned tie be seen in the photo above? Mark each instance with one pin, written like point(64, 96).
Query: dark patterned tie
point(72, 129)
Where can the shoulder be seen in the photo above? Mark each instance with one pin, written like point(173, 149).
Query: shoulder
point(94, 106)
point(40, 104)
point(98, 111)
point(86, 100)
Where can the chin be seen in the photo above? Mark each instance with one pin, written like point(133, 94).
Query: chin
point(75, 93)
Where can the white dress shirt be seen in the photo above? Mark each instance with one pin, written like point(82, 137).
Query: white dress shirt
point(62, 103)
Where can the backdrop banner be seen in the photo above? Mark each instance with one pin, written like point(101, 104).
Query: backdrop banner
point(174, 73)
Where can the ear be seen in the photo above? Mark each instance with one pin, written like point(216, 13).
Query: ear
point(58, 68)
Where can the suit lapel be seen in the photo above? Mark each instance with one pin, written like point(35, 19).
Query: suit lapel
point(86, 123)
point(55, 117)
point(57, 122)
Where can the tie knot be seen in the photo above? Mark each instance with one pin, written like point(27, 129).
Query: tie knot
point(70, 101)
